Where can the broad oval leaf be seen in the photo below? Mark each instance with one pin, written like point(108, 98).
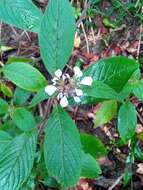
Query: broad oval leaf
point(21, 13)
point(92, 145)
point(113, 71)
point(127, 121)
point(57, 34)
point(105, 113)
point(90, 167)
point(62, 148)
point(16, 161)
point(99, 90)
point(23, 119)
point(24, 76)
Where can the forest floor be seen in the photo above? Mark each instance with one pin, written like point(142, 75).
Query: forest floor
point(104, 29)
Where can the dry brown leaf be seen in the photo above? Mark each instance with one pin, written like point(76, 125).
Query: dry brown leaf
point(140, 168)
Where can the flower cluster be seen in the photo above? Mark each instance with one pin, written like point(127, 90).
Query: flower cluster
point(64, 86)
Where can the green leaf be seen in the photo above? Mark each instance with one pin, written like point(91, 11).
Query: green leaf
point(51, 182)
point(16, 161)
point(57, 34)
point(125, 92)
point(90, 167)
point(136, 75)
point(99, 90)
point(114, 71)
point(127, 121)
point(109, 23)
point(21, 96)
point(92, 145)
point(138, 89)
point(91, 100)
point(23, 119)
point(5, 139)
point(138, 153)
point(62, 148)
point(6, 90)
point(39, 97)
point(25, 76)
point(127, 177)
point(19, 59)
point(128, 173)
point(9, 127)
point(3, 107)
point(105, 113)
point(21, 13)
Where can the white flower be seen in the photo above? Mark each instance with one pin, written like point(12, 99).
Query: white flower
point(77, 99)
point(79, 92)
point(77, 72)
point(86, 81)
point(50, 90)
point(58, 73)
point(63, 86)
point(64, 102)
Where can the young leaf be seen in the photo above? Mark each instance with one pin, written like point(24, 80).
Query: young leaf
point(105, 113)
point(127, 121)
point(16, 161)
point(114, 71)
point(6, 90)
point(92, 145)
point(21, 13)
point(62, 148)
point(24, 76)
point(99, 90)
point(138, 89)
point(39, 97)
point(57, 34)
point(21, 96)
point(23, 119)
point(90, 167)
point(19, 59)
point(3, 107)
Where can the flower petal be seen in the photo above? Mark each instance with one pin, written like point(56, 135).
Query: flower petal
point(65, 76)
point(54, 80)
point(64, 102)
point(60, 95)
point(50, 90)
point(79, 92)
point(58, 73)
point(77, 72)
point(77, 99)
point(87, 81)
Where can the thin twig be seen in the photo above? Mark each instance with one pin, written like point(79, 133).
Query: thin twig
point(116, 182)
point(92, 32)
point(46, 116)
point(85, 36)
point(83, 15)
point(140, 38)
